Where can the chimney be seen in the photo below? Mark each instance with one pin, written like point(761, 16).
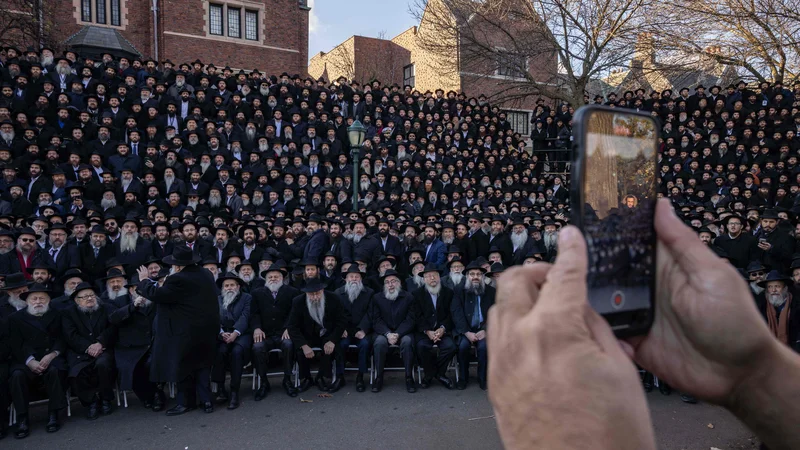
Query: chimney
point(644, 53)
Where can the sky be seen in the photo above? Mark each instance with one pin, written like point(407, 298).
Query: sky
point(333, 21)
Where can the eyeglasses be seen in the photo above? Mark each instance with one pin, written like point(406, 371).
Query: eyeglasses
point(87, 297)
point(27, 240)
point(392, 281)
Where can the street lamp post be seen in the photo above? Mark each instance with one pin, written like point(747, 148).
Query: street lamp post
point(355, 134)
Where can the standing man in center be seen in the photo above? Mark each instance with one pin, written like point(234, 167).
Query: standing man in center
point(186, 328)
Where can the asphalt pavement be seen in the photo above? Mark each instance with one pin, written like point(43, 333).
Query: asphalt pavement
point(393, 419)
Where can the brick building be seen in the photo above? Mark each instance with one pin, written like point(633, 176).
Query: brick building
point(406, 60)
point(270, 35)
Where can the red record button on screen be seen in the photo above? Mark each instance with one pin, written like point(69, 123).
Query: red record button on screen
point(617, 300)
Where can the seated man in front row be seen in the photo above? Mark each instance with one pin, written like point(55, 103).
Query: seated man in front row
point(393, 319)
point(89, 336)
point(234, 340)
point(317, 320)
point(434, 325)
point(37, 343)
point(356, 300)
point(470, 310)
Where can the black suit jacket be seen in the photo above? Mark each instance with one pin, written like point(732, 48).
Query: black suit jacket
point(158, 251)
point(82, 330)
point(430, 318)
point(463, 309)
point(357, 310)
point(393, 247)
point(479, 245)
point(35, 336)
point(134, 259)
point(503, 242)
point(66, 258)
point(398, 316)
point(305, 331)
point(95, 267)
point(271, 314)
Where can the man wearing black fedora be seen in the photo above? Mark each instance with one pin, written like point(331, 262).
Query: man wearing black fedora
point(394, 321)
point(68, 282)
point(187, 325)
point(235, 340)
point(317, 320)
point(269, 316)
point(434, 327)
point(470, 311)
point(356, 300)
point(90, 355)
point(15, 286)
point(776, 245)
point(780, 307)
point(37, 343)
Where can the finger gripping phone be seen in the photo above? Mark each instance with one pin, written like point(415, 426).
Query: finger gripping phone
point(613, 196)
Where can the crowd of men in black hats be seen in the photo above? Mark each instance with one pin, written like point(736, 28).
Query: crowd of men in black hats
point(164, 223)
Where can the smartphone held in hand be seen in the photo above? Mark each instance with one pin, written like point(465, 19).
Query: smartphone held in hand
point(613, 197)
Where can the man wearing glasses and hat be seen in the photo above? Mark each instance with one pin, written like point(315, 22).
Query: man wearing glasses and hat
point(470, 311)
point(187, 325)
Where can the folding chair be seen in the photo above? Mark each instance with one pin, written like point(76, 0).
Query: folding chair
point(313, 372)
point(372, 370)
point(456, 366)
point(257, 378)
point(12, 416)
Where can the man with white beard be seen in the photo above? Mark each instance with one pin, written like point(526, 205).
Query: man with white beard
point(356, 301)
point(235, 343)
point(214, 197)
point(130, 249)
point(87, 331)
point(455, 278)
point(521, 244)
point(414, 280)
point(269, 311)
point(780, 309)
point(470, 311)
point(36, 340)
point(394, 316)
point(550, 239)
point(15, 285)
point(247, 273)
point(434, 327)
point(317, 320)
point(114, 284)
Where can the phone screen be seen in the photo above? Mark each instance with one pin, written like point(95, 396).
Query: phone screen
point(619, 205)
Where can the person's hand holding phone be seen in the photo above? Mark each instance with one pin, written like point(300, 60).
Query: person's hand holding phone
point(558, 378)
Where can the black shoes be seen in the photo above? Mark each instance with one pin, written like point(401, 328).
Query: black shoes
point(208, 407)
point(664, 388)
point(23, 428)
point(107, 408)
point(336, 385)
point(322, 383)
point(411, 385)
point(159, 400)
point(425, 383)
point(482, 384)
point(222, 394)
point(260, 394)
point(52, 423)
point(291, 391)
point(234, 400)
point(92, 411)
point(305, 385)
point(177, 410)
point(446, 382)
point(360, 386)
point(377, 385)
point(462, 384)
point(686, 398)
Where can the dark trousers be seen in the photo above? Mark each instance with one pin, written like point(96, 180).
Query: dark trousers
point(5, 397)
point(465, 355)
point(261, 355)
point(363, 353)
point(232, 354)
point(95, 380)
point(381, 348)
point(195, 385)
point(144, 389)
point(325, 361)
point(53, 379)
point(435, 366)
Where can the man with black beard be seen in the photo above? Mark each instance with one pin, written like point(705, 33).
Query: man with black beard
point(130, 249)
point(356, 302)
point(390, 245)
point(269, 313)
point(741, 247)
point(500, 239)
point(521, 244)
point(478, 240)
point(250, 249)
point(393, 316)
point(779, 307)
point(434, 325)
point(317, 320)
point(90, 357)
point(132, 315)
point(341, 247)
point(470, 311)
point(234, 341)
point(94, 255)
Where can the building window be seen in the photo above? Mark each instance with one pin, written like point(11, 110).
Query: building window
point(215, 19)
point(519, 121)
point(251, 25)
point(408, 75)
point(511, 65)
point(115, 13)
point(234, 23)
point(86, 10)
point(101, 11)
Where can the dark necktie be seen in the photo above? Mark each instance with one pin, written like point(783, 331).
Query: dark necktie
point(476, 314)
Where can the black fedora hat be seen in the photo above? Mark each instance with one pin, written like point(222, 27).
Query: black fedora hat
point(113, 273)
point(770, 214)
point(390, 273)
point(496, 268)
point(36, 287)
point(474, 265)
point(229, 276)
point(72, 273)
point(774, 275)
point(277, 266)
point(81, 287)
point(182, 256)
point(455, 259)
point(47, 267)
point(15, 280)
point(313, 285)
point(755, 266)
point(431, 267)
point(353, 269)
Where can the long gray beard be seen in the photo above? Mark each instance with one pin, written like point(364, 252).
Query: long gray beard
point(357, 238)
point(47, 60)
point(448, 240)
point(247, 278)
point(519, 240)
point(353, 290)
point(125, 184)
point(214, 201)
point(63, 70)
point(106, 203)
point(245, 201)
point(475, 289)
point(316, 310)
point(258, 201)
point(127, 242)
point(228, 297)
point(756, 288)
point(168, 182)
point(90, 309)
point(7, 136)
point(364, 185)
point(274, 286)
point(251, 133)
point(16, 302)
point(550, 240)
point(367, 201)
point(169, 162)
point(433, 290)
point(38, 311)
point(778, 299)
point(68, 291)
point(456, 278)
point(221, 245)
point(5, 250)
point(391, 296)
point(112, 294)
point(417, 280)
point(193, 204)
point(204, 166)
